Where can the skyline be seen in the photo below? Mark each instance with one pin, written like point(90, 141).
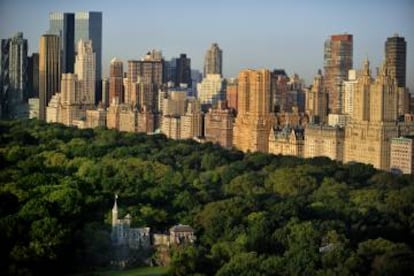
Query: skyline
point(279, 35)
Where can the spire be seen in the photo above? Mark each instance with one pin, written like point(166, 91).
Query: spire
point(115, 208)
point(115, 212)
point(366, 67)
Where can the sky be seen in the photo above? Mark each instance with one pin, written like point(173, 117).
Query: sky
point(252, 34)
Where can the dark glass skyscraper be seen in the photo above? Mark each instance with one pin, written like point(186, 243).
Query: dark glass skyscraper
point(88, 26)
point(396, 58)
point(63, 25)
point(183, 71)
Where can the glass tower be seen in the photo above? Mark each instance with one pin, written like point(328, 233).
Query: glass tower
point(63, 25)
point(88, 26)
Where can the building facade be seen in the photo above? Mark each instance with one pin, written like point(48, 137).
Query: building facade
point(85, 65)
point(374, 120)
point(324, 141)
point(14, 77)
point(287, 141)
point(211, 90)
point(254, 117)
point(116, 80)
point(402, 155)
point(317, 100)
point(338, 56)
point(218, 125)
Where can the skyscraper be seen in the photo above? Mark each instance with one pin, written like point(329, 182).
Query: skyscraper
point(63, 25)
point(338, 57)
point(49, 70)
point(33, 75)
point(116, 74)
point(88, 26)
point(254, 118)
point(14, 75)
point(213, 61)
point(85, 70)
point(183, 71)
point(396, 58)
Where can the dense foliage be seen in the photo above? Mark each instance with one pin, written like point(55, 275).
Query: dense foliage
point(254, 214)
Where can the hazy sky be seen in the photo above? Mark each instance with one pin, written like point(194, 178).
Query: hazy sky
point(252, 33)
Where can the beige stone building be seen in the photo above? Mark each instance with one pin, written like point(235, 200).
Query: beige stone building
point(374, 120)
point(287, 141)
point(316, 106)
point(191, 121)
point(323, 140)
point(254, 119)
point(218, 125)
point(95, 118)
point(402, 155)
point(171, 126)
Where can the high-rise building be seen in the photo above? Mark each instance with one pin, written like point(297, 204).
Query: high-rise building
point(14, 76)
point(213, 61)
point(49, 70)
point(85, 70)
point(88, 26)
point(374, 119)
point(183, 71)
point(33, 75)
point(338, 56)
point(63, 25)
point(396, 58)
point(116, 78)
point(148, 72)
point(105, 92)
point(254, 117)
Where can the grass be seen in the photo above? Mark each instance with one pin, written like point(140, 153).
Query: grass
point(142, 271)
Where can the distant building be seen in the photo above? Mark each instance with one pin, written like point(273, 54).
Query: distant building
point(338, 57)
point(254, 116)
point(287, 141)
point(231, 94)
point(95, 118)
point(63, 25)
point(402, 155)
point(88, 26)
point(33, 75)
point(116, 75)
point(324, 141)
point(49, 71)
point(33, 108)
point(213, 61)
point(218, 125)
point(85, 69)
point(349, 90)
point(396, 58)
point(211, 90)
point(14, 77)
point(374, 119)
point(183, 70)
point(317, 100)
